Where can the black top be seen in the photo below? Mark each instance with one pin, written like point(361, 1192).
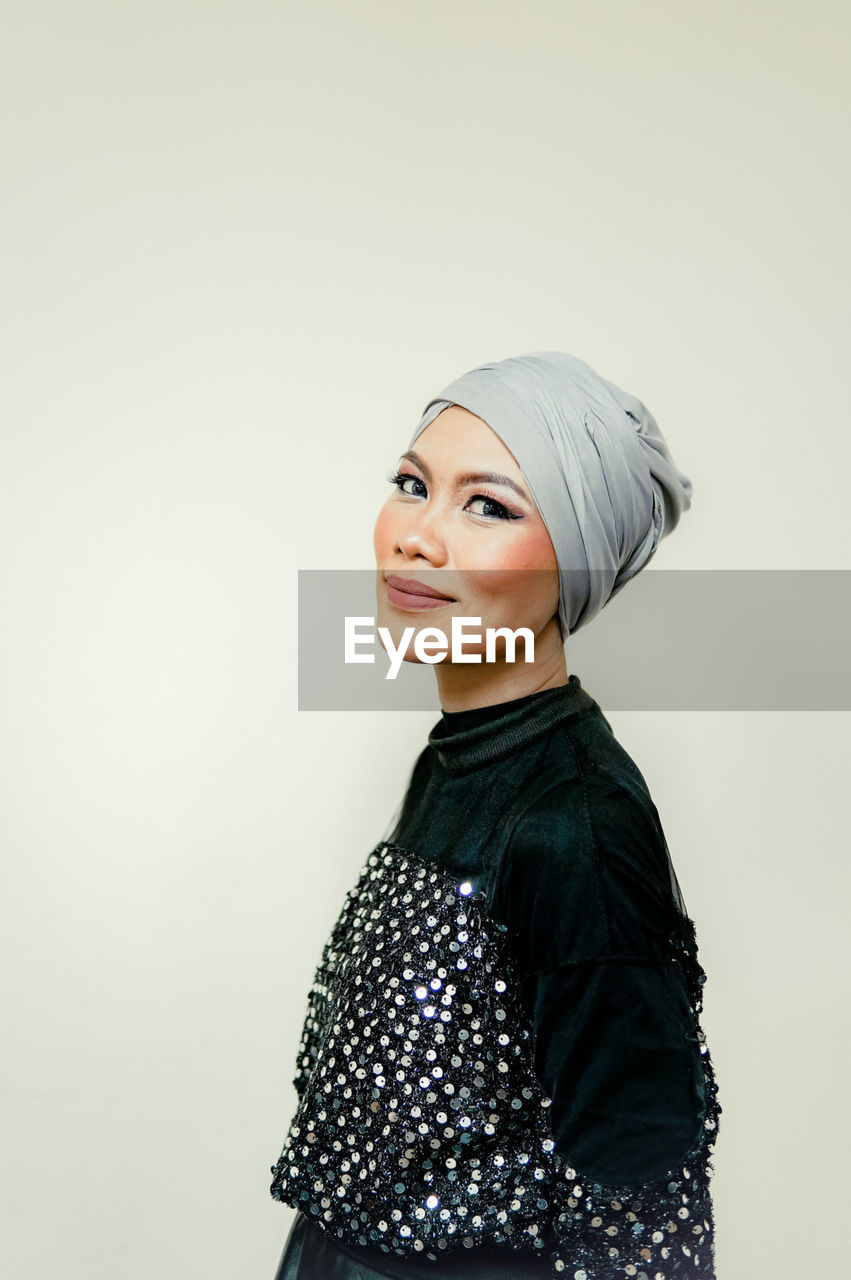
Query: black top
point(535, 802)
point(535, 806)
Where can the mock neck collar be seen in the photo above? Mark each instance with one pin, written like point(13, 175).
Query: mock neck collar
point(465, 740)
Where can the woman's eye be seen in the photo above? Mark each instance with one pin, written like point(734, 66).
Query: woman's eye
point(491, 508)
point(406, 483)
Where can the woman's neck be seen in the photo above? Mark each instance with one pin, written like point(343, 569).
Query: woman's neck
point(463, 686)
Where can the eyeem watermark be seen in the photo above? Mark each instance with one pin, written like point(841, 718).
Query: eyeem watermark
point(431, 644)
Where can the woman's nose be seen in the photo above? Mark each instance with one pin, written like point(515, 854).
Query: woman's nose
point(424, 537)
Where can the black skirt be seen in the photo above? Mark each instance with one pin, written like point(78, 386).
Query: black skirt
point(310, 1254)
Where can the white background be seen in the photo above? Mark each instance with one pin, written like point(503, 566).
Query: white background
point(243, 245)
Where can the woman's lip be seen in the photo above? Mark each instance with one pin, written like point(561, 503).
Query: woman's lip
point(406, 593)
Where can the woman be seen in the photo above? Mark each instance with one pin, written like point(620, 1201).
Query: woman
point(502, 1072)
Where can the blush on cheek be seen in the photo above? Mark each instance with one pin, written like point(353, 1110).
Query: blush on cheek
point(523, 587)
point(382, 533)
point(534, 551)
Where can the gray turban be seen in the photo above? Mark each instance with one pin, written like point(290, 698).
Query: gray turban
point(595, 461)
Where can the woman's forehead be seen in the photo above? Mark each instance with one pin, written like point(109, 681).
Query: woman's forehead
point(459, 439)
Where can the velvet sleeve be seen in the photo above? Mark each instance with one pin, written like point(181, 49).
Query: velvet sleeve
point(585, 890)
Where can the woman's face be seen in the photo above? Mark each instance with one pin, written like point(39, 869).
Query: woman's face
point(461, 521)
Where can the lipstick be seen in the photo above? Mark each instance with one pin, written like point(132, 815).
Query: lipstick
point(412, 595)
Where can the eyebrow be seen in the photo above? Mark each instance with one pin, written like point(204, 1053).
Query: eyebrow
point(473, 477)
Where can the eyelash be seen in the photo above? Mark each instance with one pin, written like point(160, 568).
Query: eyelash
point(400, 477)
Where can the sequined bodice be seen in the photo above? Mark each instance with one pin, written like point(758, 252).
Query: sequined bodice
point(421, 1126)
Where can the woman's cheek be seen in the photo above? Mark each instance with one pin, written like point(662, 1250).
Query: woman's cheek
point(382, 537)
point(534, 551)
point(523, 583)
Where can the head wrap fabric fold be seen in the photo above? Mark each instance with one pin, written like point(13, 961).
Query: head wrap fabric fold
point(597, 465)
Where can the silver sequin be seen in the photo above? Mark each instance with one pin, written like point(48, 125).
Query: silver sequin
point(415, 1073)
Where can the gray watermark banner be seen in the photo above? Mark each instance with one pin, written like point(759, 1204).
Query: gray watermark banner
point(670, 640)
